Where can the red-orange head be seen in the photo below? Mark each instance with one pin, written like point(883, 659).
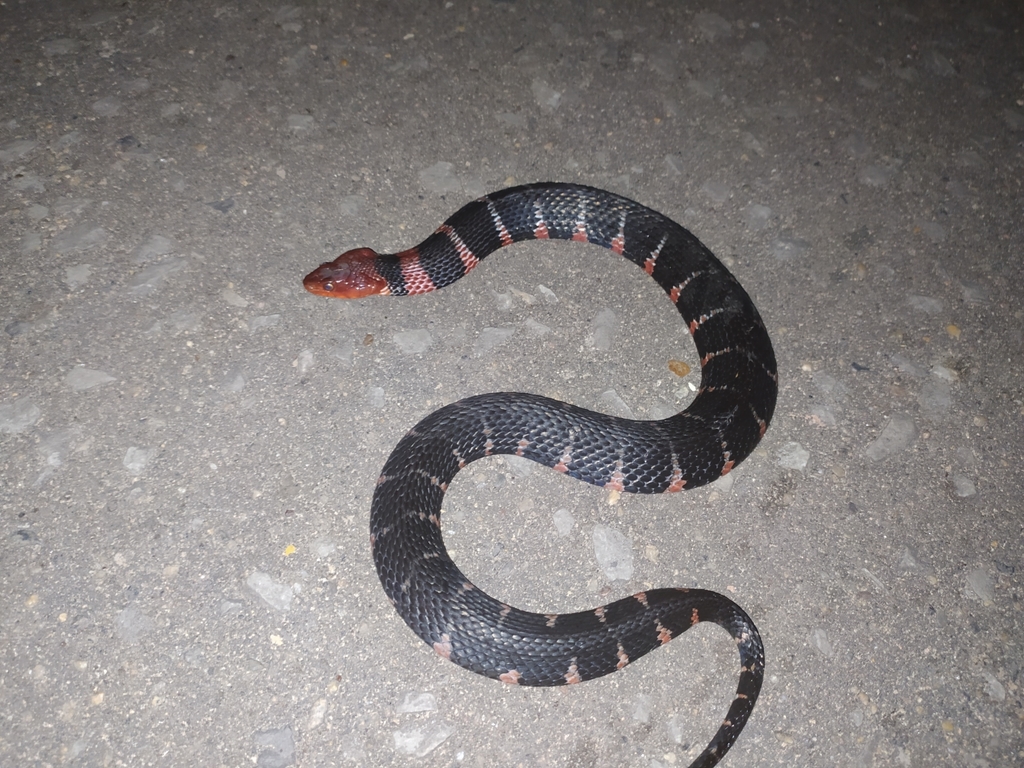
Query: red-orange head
point(350, 276)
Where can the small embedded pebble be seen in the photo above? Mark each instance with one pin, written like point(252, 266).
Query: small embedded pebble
point(822, 416)
point(138, 85)
point(17, 328)
point(132, 623)
point(153, 248)
point(675, 164)
point(182, 320)
point(535, 329)
point(512, 120)
point(232, 298)
point(875, 176)
point(420, 740)
point(877, 582)
point(228, 90)
point(974, 292)
point(15, 150)
point(708, 87)
point(351, 748)
point(275, 594)
point(932, 230)
point(413, 342)
point(993, 688)
point(547, 294)
point(981, 586)
point(440, 178)
point(909, 560)
point(304, 361)
point(855, 146)
point(77, 276)
point(520, 466)
point(224, 205)
point(108, 106)
point(820, 641)
point(71, 206)
point(1014, 119)
point(81, 378)
point(375, 397)
point(31, 242)
point(298, 123)
point(151, 278)
point(676, 727)
point(547, 98)
point(137, 459)
point(316, 714)
point(750, 142)
point(52, 448)
point(28, 182)
point(716, 191)
point(523, 296)
point(789, 248)
point(417, 702)
point(757, 216)
point(262, 322)
point(660, 409)
point(490, 338)
point(971, 159)
point(895, 438)
point(614, 553)
point(935, 398)
point(81, 237)
point(642, 709)
point(937, 64)
point(563, 521)
point(614, 405)
point(502, 301)
point(927, 304)
point(792, 455)
point(859, 238)
point(276, 748)
point(603, 330)
point(323, 547)
point(679, 368)
point(905, 365)
point(343, 352)
point(233, 381)
point(712, 26)
point(19, 415)
point(351, 205)
point(963, 486)
point(754, 53)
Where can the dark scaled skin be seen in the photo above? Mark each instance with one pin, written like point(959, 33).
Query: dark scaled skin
point(722, 425)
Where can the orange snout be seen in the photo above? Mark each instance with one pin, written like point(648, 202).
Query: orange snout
point(352, 275)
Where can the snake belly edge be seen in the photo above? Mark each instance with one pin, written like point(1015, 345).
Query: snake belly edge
point(721, 426)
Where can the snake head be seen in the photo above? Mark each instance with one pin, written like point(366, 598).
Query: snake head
point(352, 275)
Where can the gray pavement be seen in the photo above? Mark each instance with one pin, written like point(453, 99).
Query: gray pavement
point(189, 441)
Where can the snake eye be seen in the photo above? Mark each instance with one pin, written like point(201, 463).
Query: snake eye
point(329, 286)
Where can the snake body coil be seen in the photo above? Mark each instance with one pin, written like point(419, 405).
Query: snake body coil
point(722, 425)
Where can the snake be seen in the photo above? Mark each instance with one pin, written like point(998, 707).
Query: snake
point(721, 426)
